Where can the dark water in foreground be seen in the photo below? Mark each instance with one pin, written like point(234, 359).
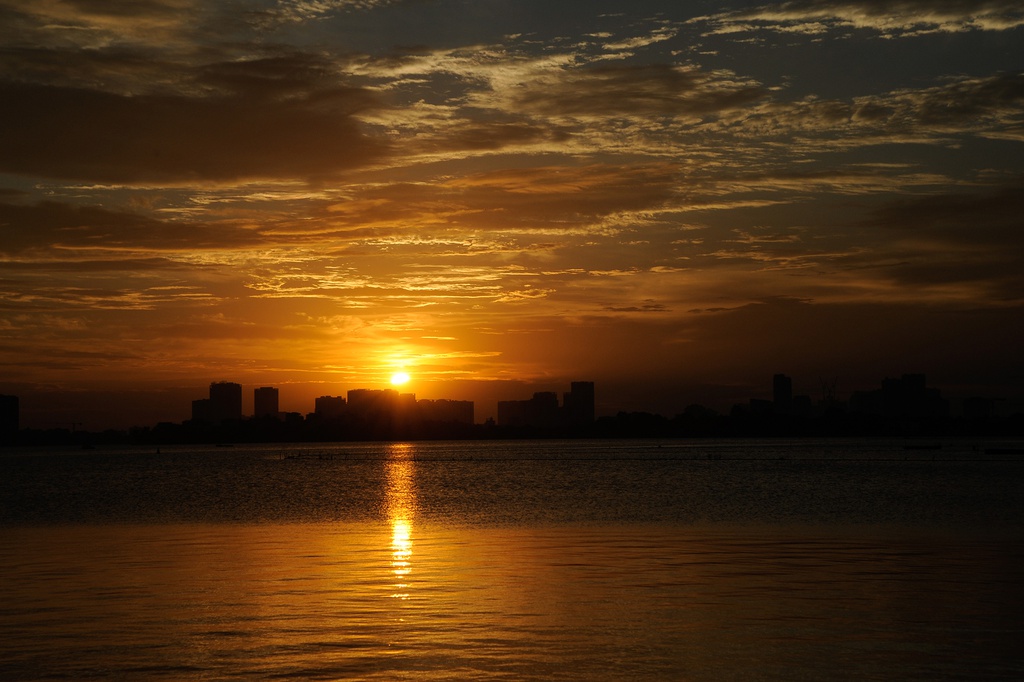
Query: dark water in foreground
point(528, 560)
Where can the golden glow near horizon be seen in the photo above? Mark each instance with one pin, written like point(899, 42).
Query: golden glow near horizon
point(399, 379)
point(276, 194)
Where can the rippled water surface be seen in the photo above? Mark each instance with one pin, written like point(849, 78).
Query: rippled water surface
point(528, 560)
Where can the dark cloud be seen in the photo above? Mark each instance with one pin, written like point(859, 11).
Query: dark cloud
point(958, 238)
point(890, 7)
point(489, 136)
point(975, 106)
point(126, 265)
point(893, 17)
point(656, 89)
point(999, 275)
point(647, 307)
point(262, 120)
point(41, 227)
point(126, 71)
point(965, 212)
point(567, 197)
point(970, 99)
point(562, 198)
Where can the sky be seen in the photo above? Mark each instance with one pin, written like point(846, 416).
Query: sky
point(675, 200)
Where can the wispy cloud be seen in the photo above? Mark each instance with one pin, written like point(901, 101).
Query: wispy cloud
point(889, 17)
point(256, 129)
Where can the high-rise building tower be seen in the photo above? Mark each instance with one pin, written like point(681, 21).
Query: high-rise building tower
point(225, 401)
point(329, 406)
point(782, 391)
point(9, 417)
point(540, 411)
point(578, 403)
point(265, 402)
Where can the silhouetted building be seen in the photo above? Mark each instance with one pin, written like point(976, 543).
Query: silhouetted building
point(10, 416)
point(541, 411)
point(905, 398)
point(578, 403)
point(979, 409)
point(366, 400)
point(202, 410)
point(782, 392)
point(329, 406)
point(784, 403)
point(265, 402)
point(226, 397)
point(377, 408)
point(224, 403)
point(802, 406)
point(452, 411)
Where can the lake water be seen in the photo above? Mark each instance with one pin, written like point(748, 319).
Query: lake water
point(582, 560)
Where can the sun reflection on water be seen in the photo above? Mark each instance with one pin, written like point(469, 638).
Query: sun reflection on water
point(400, 499)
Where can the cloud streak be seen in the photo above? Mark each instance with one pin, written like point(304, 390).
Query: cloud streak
point(75, 134)
point(894, 18)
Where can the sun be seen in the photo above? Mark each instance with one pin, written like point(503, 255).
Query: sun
point(399, 378)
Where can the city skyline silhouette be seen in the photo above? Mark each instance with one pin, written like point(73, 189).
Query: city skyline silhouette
point(899, 406)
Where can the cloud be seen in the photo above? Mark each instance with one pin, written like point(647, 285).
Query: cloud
point(969, 242)
point(479, 136)
point(563, 102)
point(996, 99)
point(540, 200)
point(299, 11)
point(49, 229)
point(889, 17)
point(565, 197)
point(980, 107)
point(71, 133)
point(96, 24)
point(642, 90)
point(968, 214)
point(648, 306)
point(579, 98)
point(936, 246)
point(944, 244)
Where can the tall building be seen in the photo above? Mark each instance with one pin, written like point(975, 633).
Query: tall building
point(224, 403)
point(368, 400)
point(10, 418)
point(202, 410)
point(907, 398)
point(265, 402)
point(578, 403)
point(541, 411)
point(782, 391)
point(450, 411)
point(374, 406)
point(329, 406)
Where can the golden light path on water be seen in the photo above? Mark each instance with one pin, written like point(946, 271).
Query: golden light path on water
point(519, 573)
point(400, 499)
